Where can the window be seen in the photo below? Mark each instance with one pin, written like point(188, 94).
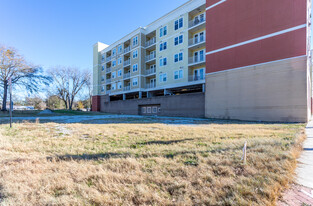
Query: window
point(199, 56)
point(113, 75)
point(135, 54)
point(154, 109)
point(163, 46)
point(102, 89)
point(114, 63)
point(113, 52)
point(178, 74)
point(119, 61)
point(179, 23)
point(113, 86)
point(163, 31)
point(135, 67)
point(135, 41)
point(119, 73)
point(119, 85)
point(102, 78)
point(178, 57)
point(163, 77)
point(198, 74)
point(149, 110)
point(135, 81)
point(120, 49)
point(178, 40)
point(198, 19)
point(153, 66)
point(144, 110)
point(102, 68)
point(102, 58)
point(163, 62)
point(198, 38)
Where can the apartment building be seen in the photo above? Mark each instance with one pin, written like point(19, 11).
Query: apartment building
point(155, 70)
point(258, 60)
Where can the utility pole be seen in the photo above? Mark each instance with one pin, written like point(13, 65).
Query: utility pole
point(11, 106)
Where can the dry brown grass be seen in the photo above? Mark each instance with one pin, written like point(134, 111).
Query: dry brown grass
point(146, 164)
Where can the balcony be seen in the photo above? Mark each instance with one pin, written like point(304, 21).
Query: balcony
point(108, 69)
point(150, 85)
point(151, 42)
point(127, 63)
point(194, 42)
point(150, 71)
point(196, 60)
point(108, 81)
point(127, 75)
point(150, 57)
point(127, 49)
point(108, 92)
point(196, 22)
point(126, 88)
point(108, 59)
point(193, 78)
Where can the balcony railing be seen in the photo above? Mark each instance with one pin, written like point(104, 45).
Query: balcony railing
point(127, 75)
point(108, 59)
point(108, 92)
point(196, 22)
point(195, 41)
point(196, 59)
point(151, 42)
point(150, 57)
point(150, 85)
point(193, 78)
point(150, 71)
point(127, 62)
point(126, 88)
point(127, 49)
point(108, 69)
point(108, 81)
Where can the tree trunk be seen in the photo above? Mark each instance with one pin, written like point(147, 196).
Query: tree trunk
point(5, 96)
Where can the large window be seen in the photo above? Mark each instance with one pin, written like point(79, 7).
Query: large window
point(163, 62)
point(113, 86)
point(114, 63)
point(119, 85)
point(102, 68)
point(163, 46)
point(163, 77)
point(102, 78)
point(135, 41)
point(163, 31)
point(119, 61)
point(119, 73)
point(178, 74)
point(135, 81)
point(114, 52)
point(178, 40)
point(102, 89)
point(179, 23)
point(178, 57)
point(120, 49)
point(113, 75)
point(135, 54)
point(135, 67)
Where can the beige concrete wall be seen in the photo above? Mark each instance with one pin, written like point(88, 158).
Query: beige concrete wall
point(275, 91)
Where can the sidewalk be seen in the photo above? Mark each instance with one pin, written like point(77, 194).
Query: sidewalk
point(301, 193)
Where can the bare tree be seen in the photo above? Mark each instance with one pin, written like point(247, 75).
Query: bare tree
point(22, 74)
point(68, 81)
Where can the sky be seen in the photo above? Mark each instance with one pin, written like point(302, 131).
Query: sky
point(62, 32)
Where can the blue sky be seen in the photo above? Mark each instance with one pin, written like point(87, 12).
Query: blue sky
point(62, 32)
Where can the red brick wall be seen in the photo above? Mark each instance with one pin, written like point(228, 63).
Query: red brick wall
point(96, 103)
point(236, 21)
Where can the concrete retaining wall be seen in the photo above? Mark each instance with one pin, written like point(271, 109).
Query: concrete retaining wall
point(186, 105)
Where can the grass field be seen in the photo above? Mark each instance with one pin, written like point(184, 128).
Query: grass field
point(142, 163)
point(28, 113)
